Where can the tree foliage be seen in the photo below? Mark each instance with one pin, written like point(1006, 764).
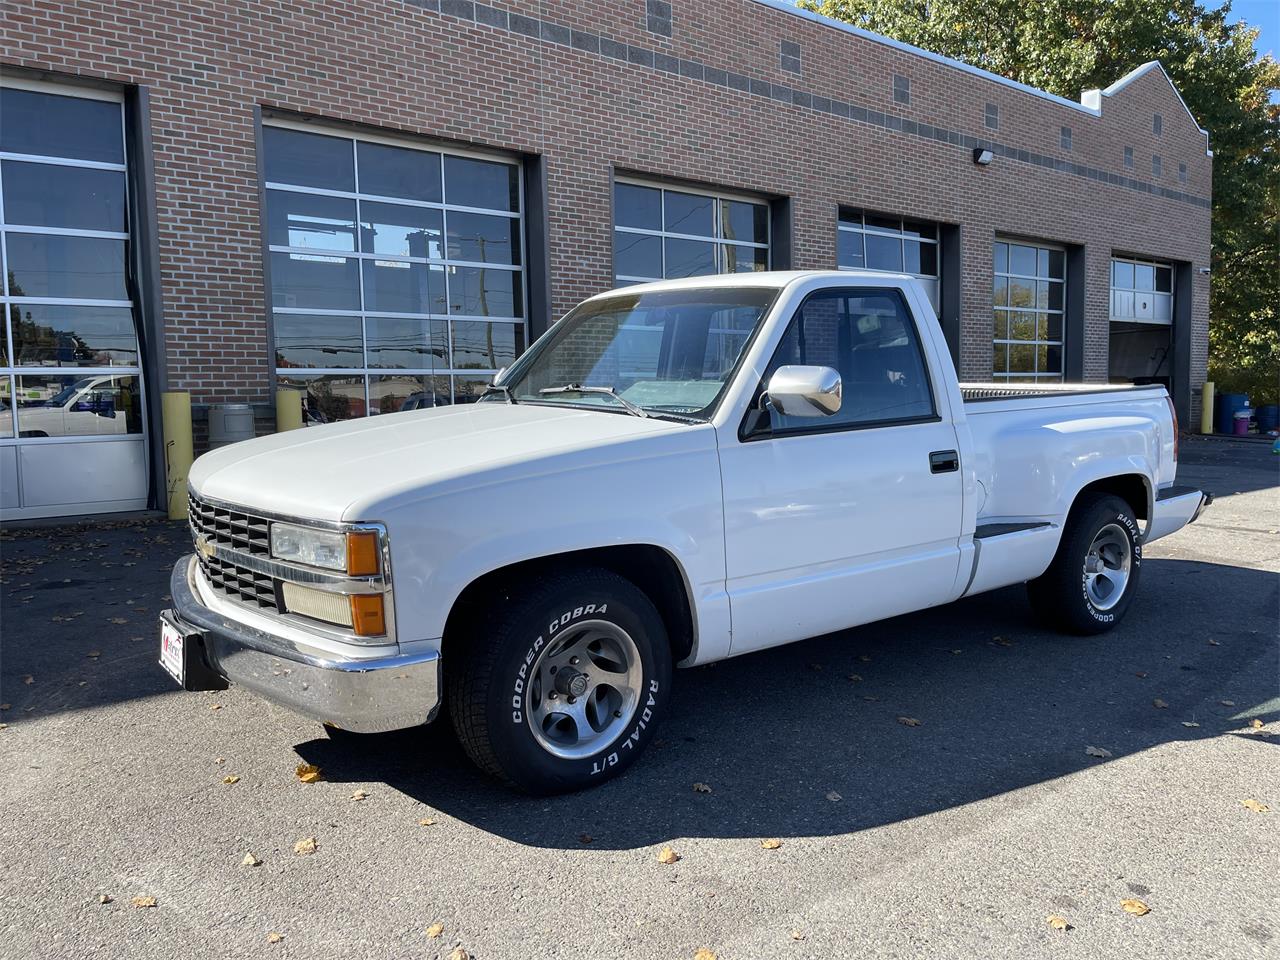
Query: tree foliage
point(1066, 46)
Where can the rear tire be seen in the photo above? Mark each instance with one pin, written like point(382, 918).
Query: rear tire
point(562, 684)
point(1094, 575)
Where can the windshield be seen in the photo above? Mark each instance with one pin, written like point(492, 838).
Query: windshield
point(669, 352)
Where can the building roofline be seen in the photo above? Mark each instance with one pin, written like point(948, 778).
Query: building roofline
point(1090, 100)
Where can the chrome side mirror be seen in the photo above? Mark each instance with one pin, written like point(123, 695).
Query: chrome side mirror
point(796, 391)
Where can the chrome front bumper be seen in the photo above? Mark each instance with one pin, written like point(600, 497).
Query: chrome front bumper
point(1175, 507)
point(366, 696)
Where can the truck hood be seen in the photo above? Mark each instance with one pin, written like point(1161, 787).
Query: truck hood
point(353, 470)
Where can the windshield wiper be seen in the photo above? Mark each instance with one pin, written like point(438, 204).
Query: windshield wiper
point(501, 388)
point(632, 408)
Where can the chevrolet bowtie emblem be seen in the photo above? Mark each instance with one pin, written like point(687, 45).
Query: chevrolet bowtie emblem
point(204, 547)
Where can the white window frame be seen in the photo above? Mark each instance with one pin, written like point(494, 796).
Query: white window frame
point(1118, 293)
point(932, 281)
point(1037, 375)
point(718, 240)
point(13, 371)
point(365, 371)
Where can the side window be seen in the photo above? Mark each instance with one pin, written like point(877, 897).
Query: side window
point(870, 339)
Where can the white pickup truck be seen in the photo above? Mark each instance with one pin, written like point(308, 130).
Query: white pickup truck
point(675, 473)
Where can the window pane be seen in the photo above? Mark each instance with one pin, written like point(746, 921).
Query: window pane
point(1022, 326)
point(1001, 325)
point(1144, 276)
point(688, 213)
point(1022, 293)
point(483, 239)
point(1056, 291)
point(1022, 358)
point(1042, 263)
point(884, 223)
point(399, 172)
point(308, 340)
point(51, 125)
point(884, 253)
point(398, 393)
point(1022, 260)
point(1123, 305)
point(920, 228)
point(469, 389)
point(1000, 358)
point(1122, 274)
point(401, 231)
point(47, 335)
point(397, 286)
point(1057, 264)
point(311, 221)
point(1164, 307)
point(745, 259)
point(637, 255)
point(481, 183)
point(872, 342)
point(635, 206)
point(69, 405)
point(1164, 279)
point(1055, 327)
point(849, 249)
point(920, 257)
point(1053, 360)
point(313, 280)
point(690, 258)
point(44, 195)
point(326, 396)
point(852, 217)
point(485, 292)
point(1000, 254)
point(478, 345)
point(1042, 294)
point(1000, 292)
point(408, 344)
point(308, 159)
point(1144, 305)
point(53, 266)
point(744, 221)
point(6, 406)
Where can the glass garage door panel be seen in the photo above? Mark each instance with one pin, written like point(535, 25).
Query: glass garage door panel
point(72, 430)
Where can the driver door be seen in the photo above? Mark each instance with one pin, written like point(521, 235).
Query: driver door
point(840, 520)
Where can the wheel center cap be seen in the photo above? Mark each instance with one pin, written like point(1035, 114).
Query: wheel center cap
point(571, 683)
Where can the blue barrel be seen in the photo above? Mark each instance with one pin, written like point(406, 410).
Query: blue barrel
point(1268, 417)
point(1225, 407)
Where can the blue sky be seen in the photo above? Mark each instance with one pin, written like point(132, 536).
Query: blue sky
point(1266, 15)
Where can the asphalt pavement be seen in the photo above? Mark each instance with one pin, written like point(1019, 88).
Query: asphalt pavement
point(956, 835)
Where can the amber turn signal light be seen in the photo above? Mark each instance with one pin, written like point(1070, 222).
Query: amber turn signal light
point(368, 618)
point(362, 554)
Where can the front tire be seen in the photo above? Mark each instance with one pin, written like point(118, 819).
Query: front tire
point(1094, 575)
point(563, 683)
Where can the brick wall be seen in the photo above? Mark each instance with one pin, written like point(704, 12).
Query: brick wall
point(738, 95)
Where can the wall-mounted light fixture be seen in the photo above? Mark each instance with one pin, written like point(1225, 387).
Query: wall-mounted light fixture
point(982, 157)
point(1204, 271)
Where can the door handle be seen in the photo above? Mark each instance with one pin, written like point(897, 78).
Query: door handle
point(944, 461)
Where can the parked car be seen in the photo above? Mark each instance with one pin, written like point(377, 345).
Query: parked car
point(91, 406)
point(675, 473)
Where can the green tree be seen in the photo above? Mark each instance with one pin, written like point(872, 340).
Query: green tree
point(1066, 46)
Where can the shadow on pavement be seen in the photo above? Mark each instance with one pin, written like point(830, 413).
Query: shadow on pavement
point(1002, 704)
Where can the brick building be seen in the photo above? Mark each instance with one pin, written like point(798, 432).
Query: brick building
point(381, 201)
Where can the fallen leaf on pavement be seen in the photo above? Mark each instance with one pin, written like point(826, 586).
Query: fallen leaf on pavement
point(143, 903)
point(871, 699)
point(797, 935)
point(6, 706)
point(957, 651)
point(909, 721)
point(231, 779)
point(215, 706)
point(1255, 806)
point(1256, 723)
point(250, 861)
point(585, 838)
point(359, 795)
point(856, 678)
point(1190, 723)
point(667, 855)
point(427, 822)
point(815, 667)
point(459, 954)
point(1159, 704)
point(105, 898)
point(1140, 675)
point(117, 620)
point(274, 937)
point(219, 760)
point(1134, 906)
point(771, 844)
point(435, 930)
point(1003, 641)
point(1214, 643)
point(308, 773)
point(94, 654)
point(28, 679)
point(305, 846)
point(833, 796)
point(1225, 703)
point(702, 953)
point(1058, 923)
point(701, 788)
point(865, 658)
point(1098, 752)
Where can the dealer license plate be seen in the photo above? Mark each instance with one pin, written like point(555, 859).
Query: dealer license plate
point(172, 643)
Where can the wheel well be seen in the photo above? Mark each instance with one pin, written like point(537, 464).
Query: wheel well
point(1129, 487)
point(649, 567)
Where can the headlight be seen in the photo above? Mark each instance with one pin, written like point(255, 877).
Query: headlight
point(316, 548)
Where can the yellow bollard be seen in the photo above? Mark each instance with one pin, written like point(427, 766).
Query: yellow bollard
point(175, 411)
point(1206, 407)
point(288, 410)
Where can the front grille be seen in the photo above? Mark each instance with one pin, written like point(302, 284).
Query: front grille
point(233, 530)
